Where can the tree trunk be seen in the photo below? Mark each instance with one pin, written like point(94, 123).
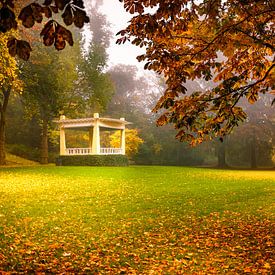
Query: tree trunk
point(44, 156)
point(2, 140)
point(3, 108)
point(253, 161)
point(222, 154)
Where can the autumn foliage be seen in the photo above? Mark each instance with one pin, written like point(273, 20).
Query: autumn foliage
point(132, 140)
point(53, 33)
point(9, 83)
point(229, 42)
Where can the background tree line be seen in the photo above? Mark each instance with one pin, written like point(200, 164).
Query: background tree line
point(250, 145)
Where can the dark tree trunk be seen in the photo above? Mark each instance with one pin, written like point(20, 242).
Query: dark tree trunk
point(44, 156)
point(2, 140)
point(222, 154)
point(253, 160)
point(3, 108)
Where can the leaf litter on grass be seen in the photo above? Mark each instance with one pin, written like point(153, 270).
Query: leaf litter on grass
point(86, 223)
point(212, 244)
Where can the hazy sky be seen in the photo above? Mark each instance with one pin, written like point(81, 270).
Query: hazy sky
point(118, 19)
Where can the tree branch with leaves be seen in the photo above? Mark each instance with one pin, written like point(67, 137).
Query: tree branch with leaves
point(228, 42)
point(53, 33)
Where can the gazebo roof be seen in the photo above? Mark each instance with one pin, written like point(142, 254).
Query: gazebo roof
point(89, 122)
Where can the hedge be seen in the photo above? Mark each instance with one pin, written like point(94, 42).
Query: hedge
point(93, 160)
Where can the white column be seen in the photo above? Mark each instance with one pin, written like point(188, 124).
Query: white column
point(96, 136)
point(90, 139)
point(62, 141)
point(122, 138)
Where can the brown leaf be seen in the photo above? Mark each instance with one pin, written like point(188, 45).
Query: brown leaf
point(47, 11)
point(53, 33)
point(48, 26)
point(68, 16)
point(79, 3)
point(12, 43)
point(65, 34)
point(31, 14)
point(47, 2)
point(26, 17)
point(59, 42)
point(61, 3)
point(162, 120)
point(252, 97)
point(37, 12)
point(80, 18)
point(23, 49)
point(19, 47)
point(48, 33)
point(7, 20)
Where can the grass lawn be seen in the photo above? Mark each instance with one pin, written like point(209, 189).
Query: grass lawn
point(13, 160)
point(136, 220)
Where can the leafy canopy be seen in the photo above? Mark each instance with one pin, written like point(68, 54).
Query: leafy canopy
point(9, 80)
point(230, 42)
point(132, 139)
point(8, 73)
point(9, 83)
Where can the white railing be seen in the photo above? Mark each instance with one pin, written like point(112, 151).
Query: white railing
point(78, 151)
point(88, 151)
point(110, 151)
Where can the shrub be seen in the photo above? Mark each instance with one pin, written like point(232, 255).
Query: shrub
point(93, 160)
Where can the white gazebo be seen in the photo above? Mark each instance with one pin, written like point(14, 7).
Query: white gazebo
point(93, 124)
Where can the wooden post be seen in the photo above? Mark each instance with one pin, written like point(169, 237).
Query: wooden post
point(62, 138)
point(96, 136)
point(122, 138)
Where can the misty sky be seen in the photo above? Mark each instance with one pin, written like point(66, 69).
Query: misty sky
point(118, 18)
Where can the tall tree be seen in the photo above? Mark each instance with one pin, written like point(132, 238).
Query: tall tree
point(9, 82)
point(255, 137)
point(221, 152)
point(95, 87)
point(68, 82)
point(99, 25)
point(131, 91)
point(94, 84)
point(231, 42)
point(49, 80)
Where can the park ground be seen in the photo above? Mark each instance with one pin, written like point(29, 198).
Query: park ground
point(136, 220)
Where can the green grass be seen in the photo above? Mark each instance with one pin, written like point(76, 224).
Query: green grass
point(13, 160)
point(136, 220)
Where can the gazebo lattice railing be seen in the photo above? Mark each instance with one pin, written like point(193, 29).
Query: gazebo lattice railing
point(88, 151)
point(93, 124)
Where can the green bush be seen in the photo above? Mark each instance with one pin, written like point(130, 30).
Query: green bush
point(93, 160)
